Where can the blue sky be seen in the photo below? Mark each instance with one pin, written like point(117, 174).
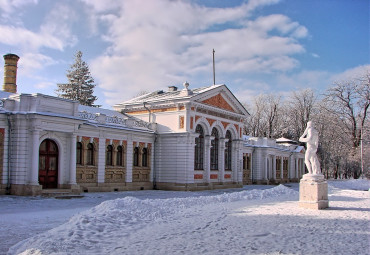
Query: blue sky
point(262, 46)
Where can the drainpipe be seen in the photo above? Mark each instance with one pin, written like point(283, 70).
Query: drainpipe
point(9, 152)
point(150, 113)
point(154, 163)
point(154, 149)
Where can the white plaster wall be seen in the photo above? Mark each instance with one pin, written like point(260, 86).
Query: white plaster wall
point(20, 153)
point(175, 159)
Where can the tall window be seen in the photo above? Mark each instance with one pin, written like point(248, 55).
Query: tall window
point(144, 157)
point(245, 162)
point(199, 148)
point(109, 156)
point(90, 154)
point(119, 158)
point(79, 153)
point(214, 150)
point(228, 151)
point(136, 156)
point(249, 159)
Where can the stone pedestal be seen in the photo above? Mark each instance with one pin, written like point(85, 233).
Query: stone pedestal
point(313, 192)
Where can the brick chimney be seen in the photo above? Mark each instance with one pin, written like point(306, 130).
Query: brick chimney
point(10, 73)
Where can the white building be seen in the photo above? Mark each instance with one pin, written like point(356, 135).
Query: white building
point(188, 139)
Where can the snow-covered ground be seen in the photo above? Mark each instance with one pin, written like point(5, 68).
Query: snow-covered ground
point(252, 220)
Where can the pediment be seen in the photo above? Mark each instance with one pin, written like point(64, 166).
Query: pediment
point(219, 102)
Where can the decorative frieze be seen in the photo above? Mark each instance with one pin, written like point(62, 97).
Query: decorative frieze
point(214, 176)
point(198, 176)
point(181, 122)
point(217, 114)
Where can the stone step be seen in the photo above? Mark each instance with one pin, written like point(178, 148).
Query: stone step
point(60, 193)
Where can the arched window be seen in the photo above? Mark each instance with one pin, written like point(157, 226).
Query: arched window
point(136, 156)
point(214, 150)
point(79, 153)
point(199, 148)
point(90, 154)
point(144, 157)
point(228, 151)
point(109, 156)
point(119, 158)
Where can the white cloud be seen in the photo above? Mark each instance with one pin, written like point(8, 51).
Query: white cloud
point(58, 23)
point(53, 33)
point(352, 73)
point(314, 79)
point(29, 62)
point(164, 42)
point(29, 40)
point(315, 55)
point(279, 22)
point(9, 6)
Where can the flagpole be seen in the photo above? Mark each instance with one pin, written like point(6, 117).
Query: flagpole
point(214, 70)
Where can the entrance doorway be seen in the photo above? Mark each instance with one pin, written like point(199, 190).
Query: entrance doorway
point(48, 164)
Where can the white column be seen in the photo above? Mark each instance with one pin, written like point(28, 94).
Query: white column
point(274, 167)
point(251, 165)
point(129, 158)
point(221, 160)
point(236, 166)
point(101, 160)
point(34, 178)
point(72, 160)
point(207, 159)
point(265, 159)
point(296, 168)
point(281, 167)
point(151, 161)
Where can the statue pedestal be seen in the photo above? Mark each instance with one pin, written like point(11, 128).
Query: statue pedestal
point(313, 192)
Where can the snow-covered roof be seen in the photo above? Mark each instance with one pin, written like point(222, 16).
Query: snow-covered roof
point(197, 96)
point(4, 94)
point(98, 110)
point(161, 95)
point(260, 142)
point(283, 140)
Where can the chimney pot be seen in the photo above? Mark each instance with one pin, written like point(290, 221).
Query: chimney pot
point(10, 73)
point(172, 88)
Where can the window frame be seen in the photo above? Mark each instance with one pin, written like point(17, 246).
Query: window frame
point(199, 148)
point(90, 160)
point(109, 155)
point(79, 152)
point(136, 157)
point(228, 151)
point(144, 157)
point(119, 156)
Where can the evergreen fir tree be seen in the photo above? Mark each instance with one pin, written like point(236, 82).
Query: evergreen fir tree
point(80, 86)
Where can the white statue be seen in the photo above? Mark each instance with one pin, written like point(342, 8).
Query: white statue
point(311, 137)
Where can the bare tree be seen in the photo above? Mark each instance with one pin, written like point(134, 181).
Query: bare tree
point(300, 109)
point(350, 100)
point(264, 116)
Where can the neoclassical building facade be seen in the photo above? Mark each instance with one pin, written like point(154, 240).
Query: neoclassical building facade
point(188, 139)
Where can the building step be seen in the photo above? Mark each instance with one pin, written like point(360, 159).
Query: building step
point(60, 193)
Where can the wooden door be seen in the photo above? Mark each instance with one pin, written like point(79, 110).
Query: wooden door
point(48, 164)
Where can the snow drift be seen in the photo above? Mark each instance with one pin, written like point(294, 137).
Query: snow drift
point(99, 228)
